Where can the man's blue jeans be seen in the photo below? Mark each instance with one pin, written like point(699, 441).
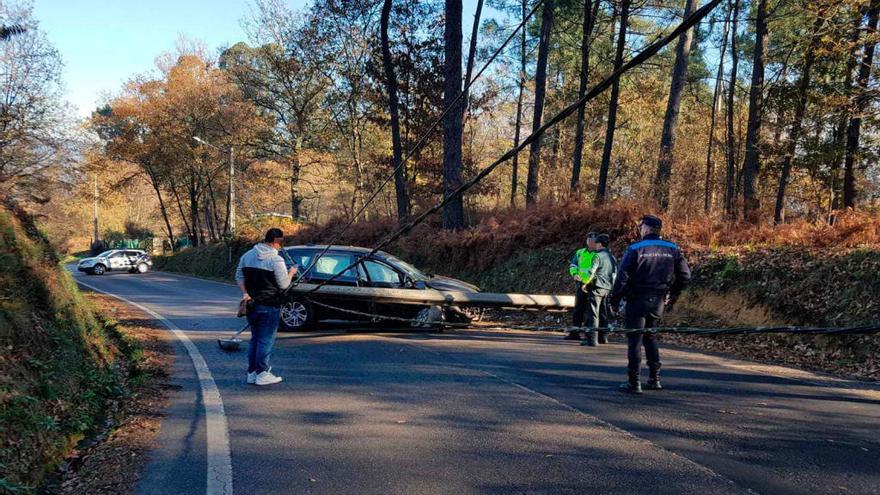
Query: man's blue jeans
point(264, 325)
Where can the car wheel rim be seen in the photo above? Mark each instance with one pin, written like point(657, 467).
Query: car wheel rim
point(142, 268)
point(294, 314)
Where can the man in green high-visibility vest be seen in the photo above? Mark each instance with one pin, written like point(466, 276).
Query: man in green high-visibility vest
point(598, 287)
point(580, 269)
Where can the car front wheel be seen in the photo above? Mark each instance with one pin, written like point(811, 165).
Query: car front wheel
point(142, 268)
point(296, 315)
point(99, 269)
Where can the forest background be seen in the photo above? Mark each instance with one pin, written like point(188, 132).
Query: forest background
point(765, 113)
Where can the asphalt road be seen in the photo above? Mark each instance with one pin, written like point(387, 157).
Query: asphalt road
point(495, 412)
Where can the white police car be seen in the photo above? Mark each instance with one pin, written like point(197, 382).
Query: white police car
point(131, 260)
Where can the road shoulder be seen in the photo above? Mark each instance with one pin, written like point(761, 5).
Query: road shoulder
point(113, 461)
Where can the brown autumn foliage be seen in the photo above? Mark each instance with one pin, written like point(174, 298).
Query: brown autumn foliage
point(496, 236)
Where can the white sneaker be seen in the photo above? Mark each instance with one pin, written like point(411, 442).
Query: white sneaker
point(252, 378)
point(267, 378)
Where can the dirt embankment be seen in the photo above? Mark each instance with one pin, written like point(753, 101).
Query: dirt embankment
point(65, 371)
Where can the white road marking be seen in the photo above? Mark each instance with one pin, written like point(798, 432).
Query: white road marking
point(219, 474)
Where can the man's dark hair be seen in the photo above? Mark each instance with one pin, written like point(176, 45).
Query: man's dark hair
point(603, 239)
point(273, 234)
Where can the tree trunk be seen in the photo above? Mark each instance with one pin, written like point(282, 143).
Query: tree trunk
point(186, 225)
point(612, 105)
point(752, 162)
point(453, 213)
point(514, 179)
point(540, 93)
point(590, 11)
point(162, 208)
point(295, 169)
point(861, 102)
point(472, 53)
point(842, 124)
point(730, 143)
point(194, 213)
point(396, 148)
point(799, 111)
point(673, 105)
point(708, 198)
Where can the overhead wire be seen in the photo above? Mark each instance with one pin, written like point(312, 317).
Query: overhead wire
point(421, 142)
point(645, 54)
point(779, 330)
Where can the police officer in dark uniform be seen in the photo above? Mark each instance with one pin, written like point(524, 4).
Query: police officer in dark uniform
point(651, 276)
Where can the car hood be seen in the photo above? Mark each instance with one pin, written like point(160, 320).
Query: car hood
point(448, 283)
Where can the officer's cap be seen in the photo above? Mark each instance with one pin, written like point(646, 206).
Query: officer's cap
point(652, 221)
point(592, 236)
point(603, 239)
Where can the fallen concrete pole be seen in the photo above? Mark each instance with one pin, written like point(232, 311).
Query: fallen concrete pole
point(430, 297)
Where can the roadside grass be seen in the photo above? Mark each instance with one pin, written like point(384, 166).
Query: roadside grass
point(60, 364)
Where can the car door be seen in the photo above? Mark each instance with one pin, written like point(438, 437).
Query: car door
point(335, 265)
point(117, 260)
point(384, 276)
point(131, 258)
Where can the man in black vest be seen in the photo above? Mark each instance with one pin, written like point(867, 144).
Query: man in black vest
point(263, 277)
point(651, 276)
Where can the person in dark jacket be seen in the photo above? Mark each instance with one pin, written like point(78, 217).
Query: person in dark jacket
point(651, 276)
point(598, 287)
point(263, 277)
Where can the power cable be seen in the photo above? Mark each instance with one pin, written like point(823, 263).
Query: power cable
point(424, 139)
point(782, 330)
point(645, 54)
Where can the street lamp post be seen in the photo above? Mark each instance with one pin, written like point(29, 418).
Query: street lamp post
point(231, 198)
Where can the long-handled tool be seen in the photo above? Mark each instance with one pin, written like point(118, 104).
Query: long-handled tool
point(233, 343)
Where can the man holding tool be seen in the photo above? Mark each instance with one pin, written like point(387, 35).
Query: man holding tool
point(652, 274)
point(263, 277)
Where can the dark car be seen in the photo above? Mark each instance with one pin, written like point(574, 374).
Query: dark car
point(381, 270)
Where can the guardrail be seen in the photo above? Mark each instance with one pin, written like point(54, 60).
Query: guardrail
point(543, 302)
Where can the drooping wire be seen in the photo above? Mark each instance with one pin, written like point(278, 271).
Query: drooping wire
point(645, 54)
point(421, 142)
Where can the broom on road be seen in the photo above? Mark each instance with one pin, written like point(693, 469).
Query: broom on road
point(232, 343)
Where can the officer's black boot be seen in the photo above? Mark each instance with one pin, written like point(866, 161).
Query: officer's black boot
point(632, 384)
point(591, 338)
point(654, 380)
point(603, 337)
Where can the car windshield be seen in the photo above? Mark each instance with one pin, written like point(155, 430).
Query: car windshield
point(410, 270)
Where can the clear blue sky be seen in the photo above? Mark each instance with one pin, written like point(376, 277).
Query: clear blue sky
point(104, 42)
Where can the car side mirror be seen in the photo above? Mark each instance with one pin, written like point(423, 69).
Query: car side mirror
point(419, 284)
